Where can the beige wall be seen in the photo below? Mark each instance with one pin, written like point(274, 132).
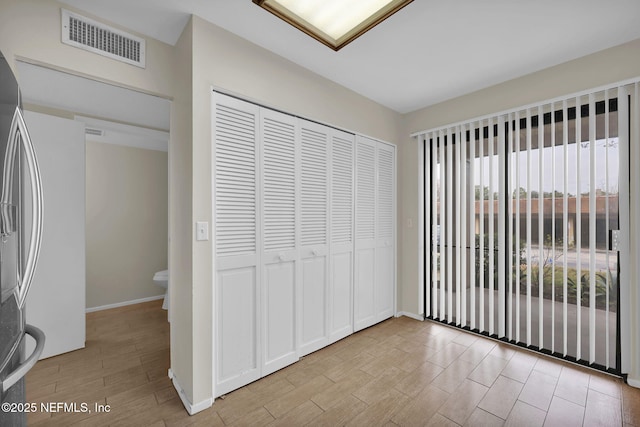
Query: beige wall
point(31, 30)
point(180, 216)
point(608, 66)
point(126, 222)
point(227, 62)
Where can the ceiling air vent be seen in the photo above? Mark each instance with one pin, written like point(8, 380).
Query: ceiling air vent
point(95, 37)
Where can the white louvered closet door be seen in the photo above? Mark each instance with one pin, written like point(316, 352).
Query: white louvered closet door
point(314, 224)
point(341, 232)
point(384, 294)
point(279, 242)
point(365, 244)
point(237, 296)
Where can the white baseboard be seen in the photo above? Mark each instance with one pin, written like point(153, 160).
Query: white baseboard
point(633, 382)
point(190, 407)
point(124, 303)
point(410, 315)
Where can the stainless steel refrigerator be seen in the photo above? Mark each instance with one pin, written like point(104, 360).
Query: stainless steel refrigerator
point(20, 235)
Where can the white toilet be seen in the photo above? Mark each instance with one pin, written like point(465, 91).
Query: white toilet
point(161, 278)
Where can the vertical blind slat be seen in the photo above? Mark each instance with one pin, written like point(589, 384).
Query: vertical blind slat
point(565, 226)
point(472, 224)
point(541, 256)
point(480, 237)
point(443, 227)
point(592, 229)
point(450, 225)
point(528, 213)
point(553, 229)
point(518, 213)
point(491, 222)
point(502, 253)
point(510, 230)
point(434, 232)
point(427, 223)
point(463, 224)
point(458, 215)
point(608, 225)
point(578, 232)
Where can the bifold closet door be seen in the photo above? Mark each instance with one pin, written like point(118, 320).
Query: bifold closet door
point(341, 231)
point(236, 210)
point(280, 253)
point(314, 224)
point(365, 245)
point(374, 298)
point(304, 238)
point(385, 235)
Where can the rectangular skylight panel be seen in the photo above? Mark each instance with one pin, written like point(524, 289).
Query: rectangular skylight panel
point(334, 17)
point(333, 22)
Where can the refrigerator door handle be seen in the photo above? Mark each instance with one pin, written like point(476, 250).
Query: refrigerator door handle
point(25, 366)
point(19, 133)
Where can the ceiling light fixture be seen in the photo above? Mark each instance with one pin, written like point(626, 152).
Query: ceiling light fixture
point(334, 23)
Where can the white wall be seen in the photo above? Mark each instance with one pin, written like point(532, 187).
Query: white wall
point(56, 300)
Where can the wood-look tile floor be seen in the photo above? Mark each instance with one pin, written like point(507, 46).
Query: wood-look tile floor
point(399, 372)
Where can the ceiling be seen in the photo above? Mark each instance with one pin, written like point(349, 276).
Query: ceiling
point(426, 53)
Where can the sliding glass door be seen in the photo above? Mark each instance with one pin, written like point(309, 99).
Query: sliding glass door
point(522, 213)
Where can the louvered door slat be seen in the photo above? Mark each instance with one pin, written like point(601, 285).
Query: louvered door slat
point(235, 181)
point(313, 195)
point(342, 190)
point(365, 190)
point(279, 187)
point(385, 193)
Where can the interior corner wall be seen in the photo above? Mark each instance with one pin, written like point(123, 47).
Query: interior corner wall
point(601, 68)
point(180, 217)
point(126, 222)
point(228, 62)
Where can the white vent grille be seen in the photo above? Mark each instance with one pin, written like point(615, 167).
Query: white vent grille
point(87, 34)
point(93, 131)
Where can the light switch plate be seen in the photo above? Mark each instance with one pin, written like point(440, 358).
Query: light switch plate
point(202, 230)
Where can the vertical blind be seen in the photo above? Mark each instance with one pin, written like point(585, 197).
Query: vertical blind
point(520, 211)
